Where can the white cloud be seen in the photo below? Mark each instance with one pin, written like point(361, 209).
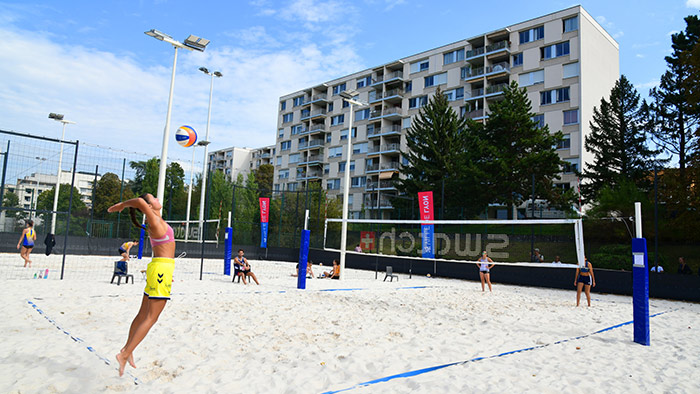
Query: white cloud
point(639, 56)
point(692, 3)
point(644, 87)
point(312, 11)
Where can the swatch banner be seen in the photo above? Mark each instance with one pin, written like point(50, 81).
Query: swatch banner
point(425, 202)
point(264, 219)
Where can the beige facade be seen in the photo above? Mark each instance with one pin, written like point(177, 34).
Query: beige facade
point(566, 60)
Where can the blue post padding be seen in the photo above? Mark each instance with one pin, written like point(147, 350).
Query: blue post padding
point(427, 236)
point(303, 258)
point(142, 236)
point(640, 291)
point(228, 247)
point(263, 235)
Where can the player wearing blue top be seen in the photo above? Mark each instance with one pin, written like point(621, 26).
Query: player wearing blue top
point(26, 242)
point(584, 281)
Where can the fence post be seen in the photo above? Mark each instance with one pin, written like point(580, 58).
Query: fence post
point(4, 172)
point(92, 203)
point(279, 228)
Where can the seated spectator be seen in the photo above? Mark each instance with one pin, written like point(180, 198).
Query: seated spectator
point(557, 260)
point(683, 268)
point(537, 257)
point(242, 265)
point(335, 273)
point(358, 248)
point(658, 269)
point(309, 270)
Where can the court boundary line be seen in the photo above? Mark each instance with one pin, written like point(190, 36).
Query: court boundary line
point(438, 367)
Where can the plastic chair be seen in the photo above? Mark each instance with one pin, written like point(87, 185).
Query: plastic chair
point(390, 274)
point(121, 270)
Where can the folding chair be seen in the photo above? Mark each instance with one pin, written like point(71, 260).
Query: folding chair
point(390, 274)
point(121, 270)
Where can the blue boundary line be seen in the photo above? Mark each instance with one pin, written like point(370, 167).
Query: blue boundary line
point(435, 368)
point(78, 340)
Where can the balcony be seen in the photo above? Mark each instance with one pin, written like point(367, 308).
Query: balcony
point(475, 114)
point(311, 144)
point(381, 185)
point(387, 148)
point(500, 46)
point(389, 77)
point(388, 95)
point(473, 94)
point(265, 156)
point(391, 166)
point(475, 72)
point(379, 131)
point(323, 97)
point(371, 202)
point(495, 89)
point(306, 114)
point(472, 53)
point(313, 129)
point(308, 175)
point(498, 68)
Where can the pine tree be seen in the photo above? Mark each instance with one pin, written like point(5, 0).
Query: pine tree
point(618, 143)
point(516, 148)
point(440, 146)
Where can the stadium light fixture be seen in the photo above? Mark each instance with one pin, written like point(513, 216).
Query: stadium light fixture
point(206, 149)
point(58, 118)
point(351, 97)
point(192, 43)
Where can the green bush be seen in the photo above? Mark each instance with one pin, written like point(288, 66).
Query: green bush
point(614, 257)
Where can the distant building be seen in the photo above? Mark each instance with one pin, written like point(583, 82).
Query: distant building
point(231, 161)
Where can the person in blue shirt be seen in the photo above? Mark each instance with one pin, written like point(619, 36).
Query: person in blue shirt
point(584, 281)
point(26, 242)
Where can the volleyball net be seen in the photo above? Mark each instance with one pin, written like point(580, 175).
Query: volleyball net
point(516, 242)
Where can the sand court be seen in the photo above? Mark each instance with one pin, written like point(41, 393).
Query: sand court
point(218, 336)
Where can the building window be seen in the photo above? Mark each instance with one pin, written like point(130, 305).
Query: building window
point(297, 129)
point(563, 186)
point(345, 104)
point(358, 181)
point(570, 70)
point(284, 174)
point(294, 158)
point(454, 56)
point(422, 65)
point(362, 114)
point(286, 118)
point(330, 107)
point(571, 117)
point(279, 160)
point(565, 143)
point(328, 137)
point(286, 145)
point(570, 166)
point(333, 184)
point(455, 94)
point(555, 50)
point(326, 169)
point(341, 166)
point(362, 82)
point(532, 78)
point(339, 88)
point(292, 187)
point(283, 105)
point(517, 59)
point(344, 133)
point(435, 80)
point(335, 152)
point(532, 35)
point(280, 133)
point(277, 187)
point(417, 102)
point(554, 96)
point(298, 101)
point(409, 86)
point(406, 123)
point(539, 119)
point(338, 119)
point(571, 24)
point(359, 148)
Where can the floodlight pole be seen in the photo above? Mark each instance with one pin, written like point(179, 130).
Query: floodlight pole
point(189, 196)
point(58, 174)
point(206, 150)
point(166, 136)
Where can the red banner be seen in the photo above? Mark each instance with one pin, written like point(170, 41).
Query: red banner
point(264, 209)
point(367, 240)
point(425, 204)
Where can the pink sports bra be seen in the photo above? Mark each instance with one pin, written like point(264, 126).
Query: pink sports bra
point(167, 238)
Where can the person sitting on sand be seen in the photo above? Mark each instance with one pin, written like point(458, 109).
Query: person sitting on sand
point(335, 273)
point(244, 267)
point(309, 270)
point(584, 280)
point(485, 269)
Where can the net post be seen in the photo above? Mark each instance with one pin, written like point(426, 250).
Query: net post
point(640, 282)
point(142, 235)
point(303, 258)
point(228, 248)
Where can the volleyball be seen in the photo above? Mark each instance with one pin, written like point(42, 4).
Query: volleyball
point(186, 136)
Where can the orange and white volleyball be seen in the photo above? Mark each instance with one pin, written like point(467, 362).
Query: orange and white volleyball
point(186, 136)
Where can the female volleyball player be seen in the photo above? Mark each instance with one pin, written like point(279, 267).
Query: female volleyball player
point(584, 280)
point(26, 241)
point(159, 273)
point(124, 249)
point(485, 269)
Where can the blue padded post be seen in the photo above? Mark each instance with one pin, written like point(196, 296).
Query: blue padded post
point(228, 248)
point(640, 291)
point(142, 236)
point(303, 258)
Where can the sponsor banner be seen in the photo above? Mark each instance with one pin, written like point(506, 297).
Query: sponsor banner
point(263, 235)
point(428, 240)
point(367, 240)
point(264, 218)
point(425, 204)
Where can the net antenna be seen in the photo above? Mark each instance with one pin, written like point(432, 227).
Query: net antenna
point(576, 224)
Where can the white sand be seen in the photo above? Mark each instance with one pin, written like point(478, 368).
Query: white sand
point(218, 336)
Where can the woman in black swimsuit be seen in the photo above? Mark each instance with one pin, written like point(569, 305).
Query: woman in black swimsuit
point(584, 281)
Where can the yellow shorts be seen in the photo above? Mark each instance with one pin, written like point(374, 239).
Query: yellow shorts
point(159, 278)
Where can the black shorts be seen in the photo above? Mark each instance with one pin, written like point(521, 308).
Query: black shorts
point(121, 251)
point(485, 272)
point(28, 246)
point(586, 280)
point(335, 277)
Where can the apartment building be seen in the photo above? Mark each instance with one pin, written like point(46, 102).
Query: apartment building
point(260, 156)
point(231, 161)
point(566, 60)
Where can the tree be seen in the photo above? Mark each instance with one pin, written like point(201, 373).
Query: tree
point(175, 196)
point(264, 176)
point(79, 211)
point(107, 193)
point(442, 147)
point(516, 149)
point(618, 143)
point(11, 200)
point(146, 179)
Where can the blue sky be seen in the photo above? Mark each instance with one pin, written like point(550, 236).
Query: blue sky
point(91, 61)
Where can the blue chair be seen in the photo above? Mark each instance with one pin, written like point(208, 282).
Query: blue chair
point(121, 270)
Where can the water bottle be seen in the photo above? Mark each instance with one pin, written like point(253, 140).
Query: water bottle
point(46, 274)
point(35, 275)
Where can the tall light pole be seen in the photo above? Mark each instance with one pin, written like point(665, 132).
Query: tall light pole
point(189, 190)
point(58, 118)
point(192, 43)
point(217, 74)
point(349, 96)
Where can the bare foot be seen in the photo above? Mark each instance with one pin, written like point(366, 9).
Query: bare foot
point(130, 360)
point(122, 363)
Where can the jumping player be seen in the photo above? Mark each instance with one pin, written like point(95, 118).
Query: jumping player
point(485, 269)
point(124, 249)
point(159, 273)
point(26, 241)
point(584, 280)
